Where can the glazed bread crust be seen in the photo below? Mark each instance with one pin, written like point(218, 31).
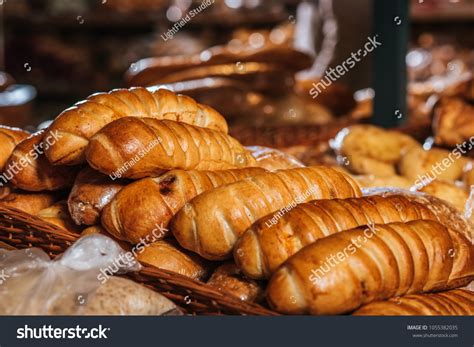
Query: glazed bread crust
point(140, 147)
point(30, 170)
point(399, 258)
point(91, 192)
point(9, 138)
point(211, 223)
point(76, 125)
point(456, 302)
point(262, 248)
point(147, 205)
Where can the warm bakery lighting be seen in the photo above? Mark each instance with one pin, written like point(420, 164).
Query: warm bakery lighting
point(174, 13)
point(256, 40)
point(234, 3)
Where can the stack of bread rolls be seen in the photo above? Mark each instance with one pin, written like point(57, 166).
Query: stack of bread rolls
point(387, 158)
point(158, 173)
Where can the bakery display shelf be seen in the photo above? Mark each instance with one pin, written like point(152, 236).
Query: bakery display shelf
point(19, 230)
point(94, 20)
point(141, 21)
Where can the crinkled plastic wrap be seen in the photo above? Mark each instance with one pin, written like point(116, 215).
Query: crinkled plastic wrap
point(273, 159)
point(446, 213)
point(80, 282)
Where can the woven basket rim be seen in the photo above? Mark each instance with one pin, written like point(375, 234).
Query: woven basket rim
point(54, 235)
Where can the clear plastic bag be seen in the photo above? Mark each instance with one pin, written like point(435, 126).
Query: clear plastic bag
point(80, 282)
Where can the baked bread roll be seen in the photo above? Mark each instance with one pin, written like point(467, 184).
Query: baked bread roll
point(58, 214)
point(418, 164)
point(121, 296)
point(367, 149)
point(140, 147)
point(27, 202)
point(372, 264)
point(273, 159)
point(116, 296)
point(9, 138)
point(446, 191)
point(150, 71)
point(456, 302)
point(444, 211)
point(269, 242)
point(168, 255)
point(146, 206)
point(90, 193)
point(29, 169)
point(453, 121)
point(78, 124)
point(449, 192)
point(228, 278)
point(211, 223)
point(373, 181)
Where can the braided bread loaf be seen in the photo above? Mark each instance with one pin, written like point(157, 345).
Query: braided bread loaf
point(456, 302)
point(264, 247)
point(78, 124)
point(211, 223)
point(150, 202)
point(9, 138)
point(372, 264)
point(141, 147)
point(29, 169)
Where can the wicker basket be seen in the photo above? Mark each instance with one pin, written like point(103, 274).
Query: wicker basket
point(21, 230)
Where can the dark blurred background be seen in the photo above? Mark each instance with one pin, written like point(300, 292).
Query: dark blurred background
point(68, 50)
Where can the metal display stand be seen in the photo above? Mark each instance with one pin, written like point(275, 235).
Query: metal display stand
point(391, 24)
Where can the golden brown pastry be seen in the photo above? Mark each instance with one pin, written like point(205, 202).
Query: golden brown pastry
point(78, 124)
point(273, 159)
point(227, 278)
point(367, 149)
point(169, 256)
point(449, 192)
point(456, 302)
point(453, 121)
point(58, 214)
point(211, 223)
point(89, 195)
point(29, 169)
point(139, 147)
point(28, 202)
point(373, 181)
point(343, 271)
point(9, 138)
point(146, 206)
point(418, 164)
point(444, 211)
point(269, 242)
